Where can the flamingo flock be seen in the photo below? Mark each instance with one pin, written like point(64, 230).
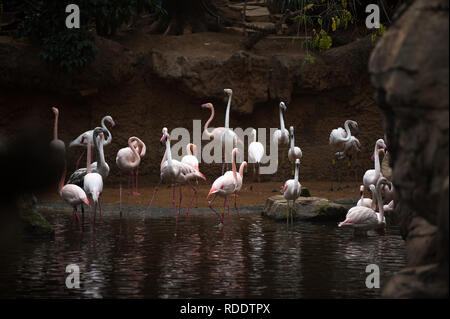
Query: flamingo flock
point(85, 185)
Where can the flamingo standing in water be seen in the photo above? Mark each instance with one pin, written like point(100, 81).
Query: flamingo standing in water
point(142, 149)
point(240, 180)
point(56, 143)
point(192, 159)
point(291, 191)
point(364, 218)
point(224, 186)
point(294, 152)
point(93, 182)
point(372, 176)
point(174, 172)
point(255, 153)
point(128, 159)
point(82, 141)
point(72, 195)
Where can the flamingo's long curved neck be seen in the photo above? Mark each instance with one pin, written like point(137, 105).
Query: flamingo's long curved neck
point(101, 154)
point(377, 160)
point(227, 114)
point(380, 204)
point(61, 183)
point(347, 130)
point(254, 135)
point(241, 168)
point(374, 199)
point(296, 172)
point(168, 152)
point(109, 138)
point(292, 142)
point(282, 127)
point(233, 165)
point(205, 129)
point(135, 151)
point(55, 127)
point(88, 160)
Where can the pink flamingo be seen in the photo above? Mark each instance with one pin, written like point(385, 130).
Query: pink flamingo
point(364, 218)
point(174, 172)
point(240, 179)
point(81, 140)
point(128, 159)
point(192, 159)
point(93, 182)
point(372, 176)
point(367, 202)
point(224, 186)
point(72, 195)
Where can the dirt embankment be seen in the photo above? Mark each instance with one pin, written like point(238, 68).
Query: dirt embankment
point(147, 82)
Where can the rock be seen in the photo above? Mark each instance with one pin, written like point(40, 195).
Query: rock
point(410, 71)
point(34, 225)
point(305, 209)
point(417, 282)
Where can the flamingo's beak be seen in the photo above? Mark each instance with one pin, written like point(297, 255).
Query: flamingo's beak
point(201, 175)
point(86, 201)
point(213, 190)
point(113, 123)
point(372, 158)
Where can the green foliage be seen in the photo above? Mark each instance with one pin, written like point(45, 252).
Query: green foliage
point(378, 33)
point(321, 41)
point(43, 22)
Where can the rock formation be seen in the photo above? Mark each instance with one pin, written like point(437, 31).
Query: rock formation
point(409, 69)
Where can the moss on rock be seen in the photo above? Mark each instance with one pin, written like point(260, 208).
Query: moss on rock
point(34, 225)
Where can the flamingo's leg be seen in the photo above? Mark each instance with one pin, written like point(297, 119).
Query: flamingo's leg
point(259, 180)
point(194, 196)
point(292, 212)
point(223, 210)
point(128, 195)
point(100, 207)
point(79, 159)
point(136, 193)
point(120, 196)
point(235, 204)
point(179, 203)
point(73, 216)
point(154, 193)
point(78, 218)
point(210, 206)
point(173, 197)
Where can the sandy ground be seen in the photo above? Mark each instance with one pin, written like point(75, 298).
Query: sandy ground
point(246, 197)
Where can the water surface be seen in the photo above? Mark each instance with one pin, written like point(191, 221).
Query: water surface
point(250, 257)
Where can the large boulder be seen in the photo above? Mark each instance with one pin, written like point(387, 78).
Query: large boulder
point(410, 71)
point(305, 209)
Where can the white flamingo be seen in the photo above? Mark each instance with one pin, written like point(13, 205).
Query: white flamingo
point(372, 176)
point(191, 159)
point(294, 152)
point(364, 218)
point(344, 140)
point(129, 159)
point(224, 186)
point(255, 153)
point(174, 172)
point(291, 190)
point(93, 182)
point(81, 140)
point(281, 136)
